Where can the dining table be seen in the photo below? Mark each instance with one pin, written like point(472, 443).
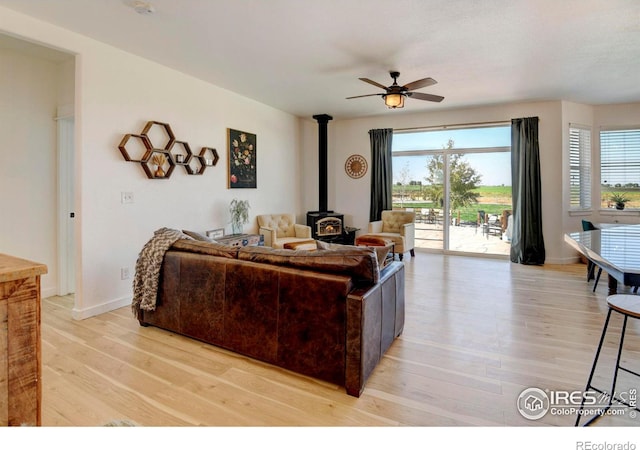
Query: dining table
point(615, 249)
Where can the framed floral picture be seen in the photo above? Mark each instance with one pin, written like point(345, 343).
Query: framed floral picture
point(242, 159)
point(215, 234)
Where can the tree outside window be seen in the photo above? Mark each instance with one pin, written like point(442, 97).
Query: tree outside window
point(463, 180)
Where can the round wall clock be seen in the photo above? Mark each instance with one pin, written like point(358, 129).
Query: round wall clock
point(356, 166)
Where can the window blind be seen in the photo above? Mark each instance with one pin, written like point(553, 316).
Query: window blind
point(580, 167)
point(620, 158)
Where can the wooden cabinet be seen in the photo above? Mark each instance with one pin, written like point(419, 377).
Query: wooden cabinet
point(20, 362)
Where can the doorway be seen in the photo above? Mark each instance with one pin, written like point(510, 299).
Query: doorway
point(457, 180)
point(66, 205)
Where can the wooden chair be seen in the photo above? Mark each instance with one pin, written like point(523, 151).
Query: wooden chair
point(492, 225)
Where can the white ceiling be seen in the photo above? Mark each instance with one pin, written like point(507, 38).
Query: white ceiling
point(305, 56)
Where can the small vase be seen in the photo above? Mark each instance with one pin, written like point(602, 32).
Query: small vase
point(620, 206)
point(159, 172)
point(236, 228)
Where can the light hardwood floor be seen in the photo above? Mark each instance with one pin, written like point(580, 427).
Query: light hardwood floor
point(478, 332)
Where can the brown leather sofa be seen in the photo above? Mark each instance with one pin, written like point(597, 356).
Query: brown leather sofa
point(328, 314)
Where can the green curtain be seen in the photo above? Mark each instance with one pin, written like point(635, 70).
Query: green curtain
point(381, 172)
point(527, 242)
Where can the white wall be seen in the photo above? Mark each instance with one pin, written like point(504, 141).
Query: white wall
point(117, 93)
point(117, 103)
point(29, 91)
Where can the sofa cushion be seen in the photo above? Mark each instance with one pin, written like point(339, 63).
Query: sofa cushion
point(360, 263)
point(380, 251)
point(206, 248)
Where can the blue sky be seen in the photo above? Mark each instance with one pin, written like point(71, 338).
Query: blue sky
point(495, 167)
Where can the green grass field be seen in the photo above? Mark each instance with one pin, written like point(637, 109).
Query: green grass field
point(495, 199)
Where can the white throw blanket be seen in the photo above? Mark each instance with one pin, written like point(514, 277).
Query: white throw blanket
point(147, 276)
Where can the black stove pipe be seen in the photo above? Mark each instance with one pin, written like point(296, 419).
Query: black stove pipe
point(322, 119)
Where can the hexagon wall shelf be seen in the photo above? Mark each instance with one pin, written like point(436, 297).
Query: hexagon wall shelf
point(196, 166)
point(163, 168)
point(158, 151)
point(209, 155)
point(137, 143)
point(162, 134)
point(181, 153)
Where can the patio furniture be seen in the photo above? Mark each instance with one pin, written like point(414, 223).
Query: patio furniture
point(428, 215)
point(492, 225)
point(508, 230)
point(438, 215)
point(480, 220)
point(504, 220)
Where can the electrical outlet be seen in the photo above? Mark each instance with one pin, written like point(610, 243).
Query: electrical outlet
point(124, 273)
point(126, 197)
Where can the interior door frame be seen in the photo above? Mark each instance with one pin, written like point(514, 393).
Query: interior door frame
point(66, 202)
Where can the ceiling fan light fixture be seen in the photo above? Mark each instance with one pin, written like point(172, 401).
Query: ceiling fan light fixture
point(394, 101)
point(395, 94)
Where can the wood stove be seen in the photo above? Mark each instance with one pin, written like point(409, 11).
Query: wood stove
point(325, 225)
point(329, 226)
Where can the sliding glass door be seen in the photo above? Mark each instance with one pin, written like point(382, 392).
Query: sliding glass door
point(458, 182)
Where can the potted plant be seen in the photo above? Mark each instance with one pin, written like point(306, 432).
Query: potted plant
point(239, 210)
point(619, 199)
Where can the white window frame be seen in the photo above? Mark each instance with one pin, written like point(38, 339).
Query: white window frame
point(625, 143)
point(580, 173)
point(446, 153)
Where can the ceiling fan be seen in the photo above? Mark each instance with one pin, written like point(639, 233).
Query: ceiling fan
point(394, 95)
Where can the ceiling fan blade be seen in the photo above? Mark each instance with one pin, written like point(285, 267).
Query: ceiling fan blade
point(428, 97)
point(375, 83)
point(420, 84)
point(367, 95)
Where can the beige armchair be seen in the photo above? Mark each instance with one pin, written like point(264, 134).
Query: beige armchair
point(398, 226)
point(279, 229)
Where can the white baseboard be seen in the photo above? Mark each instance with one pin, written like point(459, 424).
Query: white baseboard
point(564, 260)
point(49, 292)
point(79, 314)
